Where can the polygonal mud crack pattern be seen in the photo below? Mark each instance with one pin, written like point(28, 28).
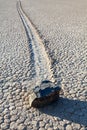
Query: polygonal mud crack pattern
point(16, 71)
point(15, 68)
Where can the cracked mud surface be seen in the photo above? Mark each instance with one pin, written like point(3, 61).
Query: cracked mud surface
point(63, 25)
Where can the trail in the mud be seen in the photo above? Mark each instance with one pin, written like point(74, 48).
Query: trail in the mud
point(39, 56)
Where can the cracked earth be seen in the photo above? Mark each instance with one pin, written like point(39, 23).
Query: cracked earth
point(62, 27)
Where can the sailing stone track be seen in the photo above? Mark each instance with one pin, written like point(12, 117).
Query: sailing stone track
point(39, 57)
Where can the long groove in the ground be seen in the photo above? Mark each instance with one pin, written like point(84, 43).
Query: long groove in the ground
point(39, 56)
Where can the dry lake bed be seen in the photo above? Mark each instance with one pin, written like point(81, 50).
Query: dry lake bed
point(39, 40)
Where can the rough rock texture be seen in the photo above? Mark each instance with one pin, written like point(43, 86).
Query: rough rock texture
point(44, 94)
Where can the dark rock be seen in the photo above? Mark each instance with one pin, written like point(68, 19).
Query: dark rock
point(44, 94)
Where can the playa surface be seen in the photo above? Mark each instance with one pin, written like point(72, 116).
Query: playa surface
point(62, 26)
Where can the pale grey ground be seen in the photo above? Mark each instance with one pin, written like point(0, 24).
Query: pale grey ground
point(64, 25)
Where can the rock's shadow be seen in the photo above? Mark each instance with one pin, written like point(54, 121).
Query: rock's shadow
point(72, 110)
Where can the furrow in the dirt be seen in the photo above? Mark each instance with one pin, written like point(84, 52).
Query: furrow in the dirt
point(39, 56)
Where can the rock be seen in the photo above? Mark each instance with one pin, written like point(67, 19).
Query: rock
point(44, 94)
point(32, 97)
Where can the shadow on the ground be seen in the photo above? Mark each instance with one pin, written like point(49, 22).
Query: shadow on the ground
point(71, 110)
